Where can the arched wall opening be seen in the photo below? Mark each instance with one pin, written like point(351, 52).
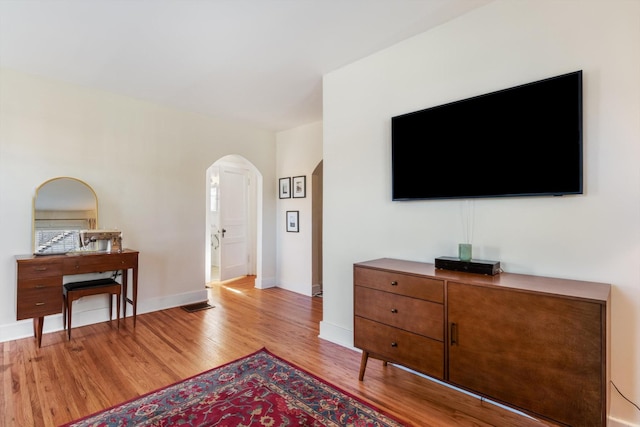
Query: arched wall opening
point(220, 193)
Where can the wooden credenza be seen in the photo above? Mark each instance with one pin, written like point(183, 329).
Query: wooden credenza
point(39, 281)
point(537, 344)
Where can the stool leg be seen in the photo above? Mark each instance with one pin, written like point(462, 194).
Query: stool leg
point(64, 311)
point(110, 307)
point(118, 309)
point(69, 304)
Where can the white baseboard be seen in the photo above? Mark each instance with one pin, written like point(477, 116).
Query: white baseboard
point(96, 314)
point(614, 422)
point(336, 334)
point(330, 332)
point(316, 289)
point(265, 283)
point(175, 300)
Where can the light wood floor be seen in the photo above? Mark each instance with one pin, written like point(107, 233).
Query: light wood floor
point(102, 366)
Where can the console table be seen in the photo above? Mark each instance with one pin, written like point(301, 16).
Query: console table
point(537, 344)
point(39, 283)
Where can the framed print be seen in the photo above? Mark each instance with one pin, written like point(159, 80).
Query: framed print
point(285, 188)
point(292, 221)
point(299, 186)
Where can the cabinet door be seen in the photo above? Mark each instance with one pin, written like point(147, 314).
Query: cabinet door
point(537, 352)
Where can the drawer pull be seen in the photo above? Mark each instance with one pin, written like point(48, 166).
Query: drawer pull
point(453, 334)
point(394, 283)
point(394, 310)
point(40, 268)
point(39, 304)
point(39, 286)
point(394, 344)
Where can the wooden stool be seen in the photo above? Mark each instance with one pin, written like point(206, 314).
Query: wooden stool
point(76, 290)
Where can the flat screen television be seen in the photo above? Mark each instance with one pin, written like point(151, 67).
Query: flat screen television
point(521, 141)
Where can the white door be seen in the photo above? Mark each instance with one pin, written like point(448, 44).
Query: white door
point(234, 255)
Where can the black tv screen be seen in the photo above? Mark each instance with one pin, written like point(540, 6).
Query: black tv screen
point(521, 141)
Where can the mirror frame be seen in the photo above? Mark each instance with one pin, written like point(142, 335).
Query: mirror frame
point(35, 197)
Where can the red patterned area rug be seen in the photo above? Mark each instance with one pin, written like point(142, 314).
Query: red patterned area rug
point(257, 390)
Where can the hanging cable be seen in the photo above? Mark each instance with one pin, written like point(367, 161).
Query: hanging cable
point(625, 397)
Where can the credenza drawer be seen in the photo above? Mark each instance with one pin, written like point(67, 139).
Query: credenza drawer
point(395, 345)
point(39, 302)
point(411, 314)
point(404, 284)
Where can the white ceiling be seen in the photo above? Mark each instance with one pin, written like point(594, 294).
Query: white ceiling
point(257, 61)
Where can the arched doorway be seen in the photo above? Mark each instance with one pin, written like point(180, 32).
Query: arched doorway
point(233, 240)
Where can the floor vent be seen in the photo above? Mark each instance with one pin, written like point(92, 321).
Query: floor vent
point(197, 306)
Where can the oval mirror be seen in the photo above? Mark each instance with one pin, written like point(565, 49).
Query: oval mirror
point(61, 208)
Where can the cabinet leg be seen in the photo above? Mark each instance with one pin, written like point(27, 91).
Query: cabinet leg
point(363, 364)
point(38, 322)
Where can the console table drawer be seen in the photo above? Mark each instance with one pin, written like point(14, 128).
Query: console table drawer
point(38, 268)
point(40, 283)
point(404, 284)
point(411, 314)
point(395, 345)
point(127, 259)
point(39, 302)
point(99, 262)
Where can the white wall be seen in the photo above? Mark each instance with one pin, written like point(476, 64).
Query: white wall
point(299, 152)
point(147, 165)
point(593, 237)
